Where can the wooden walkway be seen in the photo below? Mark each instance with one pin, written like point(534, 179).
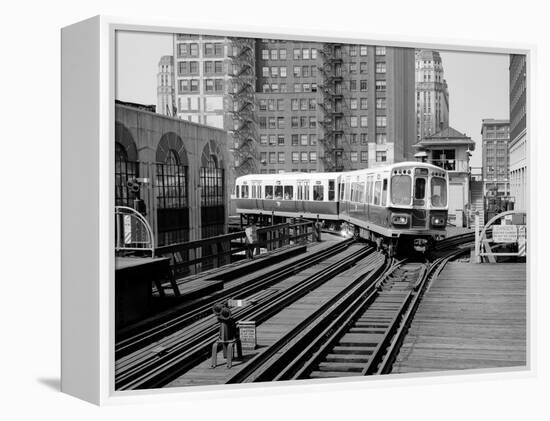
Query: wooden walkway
point(274, 328)
point(472, 317)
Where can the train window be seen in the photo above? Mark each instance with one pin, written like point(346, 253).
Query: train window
point(244, 192)
point(289, 193)
point(318, 192)
point(331, 192)
point(384, 192)
point(341, 187)
point(401, 190)
point(237, 192)
point(369, 190)
point(253, 196)
point(439, 192)
point(269, 192)
point(419, 188)
point(377, 192)
point(306, 190)
point(278, 192)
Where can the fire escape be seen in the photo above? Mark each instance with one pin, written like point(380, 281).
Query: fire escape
point(331, 105)
point(242, 92)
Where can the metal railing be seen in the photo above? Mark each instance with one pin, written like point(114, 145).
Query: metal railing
point(132, 232)
point(197, 256)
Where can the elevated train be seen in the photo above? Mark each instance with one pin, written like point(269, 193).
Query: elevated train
point(403, 204)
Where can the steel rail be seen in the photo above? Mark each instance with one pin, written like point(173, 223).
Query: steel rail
point(170, 362)
point(203, 307)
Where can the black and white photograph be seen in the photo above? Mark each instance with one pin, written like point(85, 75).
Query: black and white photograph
point(316, 209)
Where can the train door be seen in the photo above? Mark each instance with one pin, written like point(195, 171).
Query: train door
point(419, 214)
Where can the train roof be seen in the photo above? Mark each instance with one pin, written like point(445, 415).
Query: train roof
point(333, 175)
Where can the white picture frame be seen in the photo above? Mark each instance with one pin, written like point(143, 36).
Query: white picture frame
point(88, 87)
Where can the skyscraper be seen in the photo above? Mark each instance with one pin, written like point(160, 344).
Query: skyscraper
point(495, 135)
point(165, 86)
point(518, 130)
point(432, 94)
point(299, 106)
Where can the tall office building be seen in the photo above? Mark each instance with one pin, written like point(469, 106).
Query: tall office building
point(299, 106)
point(495, 135)
point(165, 87)
point(432, 94)
point(518, 130)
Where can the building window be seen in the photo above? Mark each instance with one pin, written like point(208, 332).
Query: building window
point(294, 140)
point(363, 67)
point(282, 71)
point(353, 138)
point(312, 122)
point(381, 67)
point(272, 157)
point(312, 105)
point(353, 103)
point(263, 139)
point(304, 122)
point(381, 139)
point(272, 123)
point(353, 121)
point(380, 156)
point(281, 123)
point(263, 122)
point(263, 157)
point(313, 156)
point(281, 140)
point(305, 71)
point(272, 140)
point(265, 54)
point(303, 140)
point(294, 122)
point(380, 103)
point(297, 71)
point(313, 139)
point(303, 156)
point(263, 105)
point(364, 121)
point(265, 87)
point(305, 54)
point(281, 157)
point(297, 87)
point(314, 53)
point(363, 86)
point(380, 85)
point(274, 72)
point(381, 121)
point(353, 50)
point(274, 87)
point(282, 54)
point(294, 104)
point(295, 156)
point(274, 54)
point(364, 103)
point(353, 68)
point(296, 54)
point(307, 87)
point(364, 156)
point(354, 156)
point(380, 51)
point(364, 138)
point(352, 85)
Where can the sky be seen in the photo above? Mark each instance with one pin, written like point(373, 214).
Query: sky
point(478, 82)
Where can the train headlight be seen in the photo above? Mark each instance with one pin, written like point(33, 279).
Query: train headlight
point(438, 221)
point(400, 219)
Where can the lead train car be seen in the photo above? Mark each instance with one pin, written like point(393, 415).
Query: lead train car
point(403, 203)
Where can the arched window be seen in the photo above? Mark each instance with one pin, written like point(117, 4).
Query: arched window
point(125, 170)
point(212, 196)
point(171, 182)
point(172, 204)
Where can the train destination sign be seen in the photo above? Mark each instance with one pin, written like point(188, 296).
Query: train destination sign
point(505, 233)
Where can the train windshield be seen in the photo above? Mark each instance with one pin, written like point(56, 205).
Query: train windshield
point(439, 192)
point(401, 190)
